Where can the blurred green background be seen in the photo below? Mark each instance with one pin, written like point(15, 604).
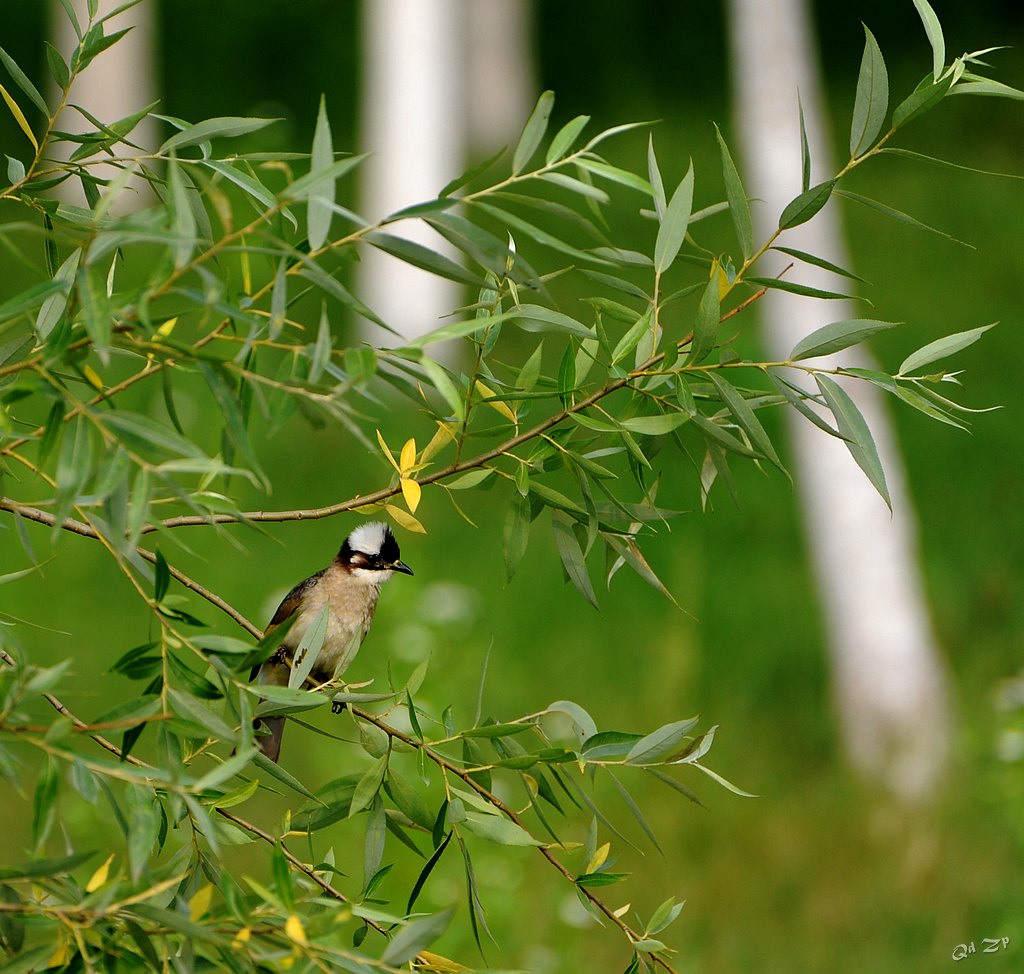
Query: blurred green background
point(820, 872)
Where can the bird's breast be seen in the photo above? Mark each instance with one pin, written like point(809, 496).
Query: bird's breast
point(350, 606)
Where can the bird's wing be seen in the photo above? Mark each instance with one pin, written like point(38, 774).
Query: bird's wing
point(289, 605)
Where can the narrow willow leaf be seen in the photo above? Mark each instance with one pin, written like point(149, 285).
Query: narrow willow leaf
point(791, 287)
point(565, 137)
point(576, 186)
point(533, 132)
point(631, 338)
point(705, 329)
point(499, 830)
point(22, 81)
point(858, 437)
point(797, 398)
point(572, 557)
point(616, 175)
point(921, 100)
point(943, 163)
point(806, 205)
point(369, 785)
point(923, 405)
point(897, 215)
point(941, 348)
point(517, 533)
point(984, 86)
point(44, 803)
point(321, 193)
point(425, 873)
point(19, 117)
point(746, 419)
point(535, 317)
point(655, 425)
point(413, 937)
point(56, 303)
point(183, 220)
point(637, 814)
point(30, 299)
point(657, 184)
point(410, 252)
point(662, 743)
point(629, 551)
point(837, 336)
point(818, 262)
point(933, 29)
point(215, 128)
point(714, 775)
point(672, 227)
point(872, 101)
point(805, 150)
point(739, 208)
point(443, 383)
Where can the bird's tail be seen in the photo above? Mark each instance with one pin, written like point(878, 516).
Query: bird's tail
point(270, 743)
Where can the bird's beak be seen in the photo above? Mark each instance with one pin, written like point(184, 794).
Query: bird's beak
point(401, 566)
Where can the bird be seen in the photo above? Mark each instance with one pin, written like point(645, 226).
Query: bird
point(349, 587)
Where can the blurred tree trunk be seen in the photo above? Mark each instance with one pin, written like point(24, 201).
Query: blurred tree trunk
point(439, 76)
point(115, 85)
point(889, 680)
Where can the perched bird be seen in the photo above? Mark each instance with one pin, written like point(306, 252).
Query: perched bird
point(349, 587)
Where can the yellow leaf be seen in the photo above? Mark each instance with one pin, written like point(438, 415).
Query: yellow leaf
point(241, 938)
point(100, 876)
point(501, 407)
point(19, 117)
point(92, 377)
point(622, 911)
point(437, 964)
point(295, 932)
point(246, 269)
point(367, 509)
point(599, 858)
point(61, 955)
point(440, 440)
point(404, 520)
point(408, 458)
point(723, 280)
point(200, 902)
point(411, 491)
point(387, 452)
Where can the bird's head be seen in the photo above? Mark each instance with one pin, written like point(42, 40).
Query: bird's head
point(371, 553)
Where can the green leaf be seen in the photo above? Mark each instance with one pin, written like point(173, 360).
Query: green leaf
point(572, 557)
point(369, 785)
point(500, 830)
point(56, 303)
point(517, 533)
point(897, 215)
point(837, 336)
point(662, 743)
point(308, 650)
point(923, 98)
point(941, 348)
point(705, 329)
point(533, 132)
point(215, 128)
point(791, 287)
point(872, 101)
point(746, 419)
point(805, 150)
point(797, 398)
point(425, 873)
point(22, 81)
point(184, 221)
point(417, 255)
point(614, 174)
point(142, 434)
point(672, 227)
point(933, 29)
point(739, 208)
point(44, 803)
point(535, 317)
point(857, 435)
point(806, 205)
point(655, 425)
point(584, 723)
point(443, 383)
point(565, 137)
point(321, 193)
point(817, 262)
point(413, 937)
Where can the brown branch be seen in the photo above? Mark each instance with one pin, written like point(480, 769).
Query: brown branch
point(87, 531)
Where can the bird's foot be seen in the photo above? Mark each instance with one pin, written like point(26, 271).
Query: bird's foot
point(337, 706)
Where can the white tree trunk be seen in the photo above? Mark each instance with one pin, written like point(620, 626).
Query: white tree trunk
point(889, 682)
point(119, 82)
point(413, 123)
